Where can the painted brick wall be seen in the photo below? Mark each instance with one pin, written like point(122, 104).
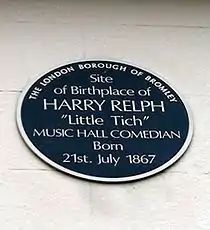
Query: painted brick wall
point(172, 38)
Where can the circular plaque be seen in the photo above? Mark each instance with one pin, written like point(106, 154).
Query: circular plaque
point(104, 121)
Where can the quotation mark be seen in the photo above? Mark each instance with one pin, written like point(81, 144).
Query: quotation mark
point(146, 118)
point(64, 116)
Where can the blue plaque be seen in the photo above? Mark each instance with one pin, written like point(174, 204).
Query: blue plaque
point(104, 121)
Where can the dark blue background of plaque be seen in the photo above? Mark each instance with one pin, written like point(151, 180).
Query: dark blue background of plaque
point(175, 118)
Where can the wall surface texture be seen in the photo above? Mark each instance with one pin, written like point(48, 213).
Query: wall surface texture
point(171, 38)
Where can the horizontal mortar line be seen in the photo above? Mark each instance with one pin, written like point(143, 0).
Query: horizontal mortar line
point(12, 206)
point(117, 24)
point(178, 172)
point(187, 173)
point(167, 26)
point(10, 91)
point(23, 169)
point(195, 95)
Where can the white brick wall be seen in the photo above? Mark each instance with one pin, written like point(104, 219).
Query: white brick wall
point(172, 38)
